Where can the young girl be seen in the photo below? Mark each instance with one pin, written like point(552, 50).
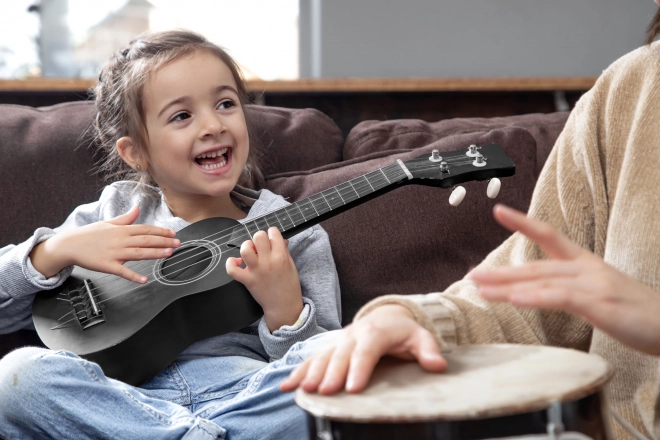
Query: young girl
point(171, 121)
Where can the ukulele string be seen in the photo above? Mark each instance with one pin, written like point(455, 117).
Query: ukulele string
point(357, 186)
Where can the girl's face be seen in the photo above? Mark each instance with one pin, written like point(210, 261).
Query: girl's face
point(196, 133)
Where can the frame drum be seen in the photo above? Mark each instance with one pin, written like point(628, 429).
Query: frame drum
point(487, 392)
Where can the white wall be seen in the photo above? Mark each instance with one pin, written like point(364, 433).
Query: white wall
point(468, 38)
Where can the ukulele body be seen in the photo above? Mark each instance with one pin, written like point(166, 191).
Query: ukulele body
point(146, 326)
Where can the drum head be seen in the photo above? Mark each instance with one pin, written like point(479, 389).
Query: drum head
point(480, 381)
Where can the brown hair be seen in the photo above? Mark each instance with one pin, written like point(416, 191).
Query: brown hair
point(654, 28)
point(119, 103)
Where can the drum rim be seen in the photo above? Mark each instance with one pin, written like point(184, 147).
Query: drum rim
point(303, 400)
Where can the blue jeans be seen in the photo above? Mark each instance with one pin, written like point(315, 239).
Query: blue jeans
point(48, 394)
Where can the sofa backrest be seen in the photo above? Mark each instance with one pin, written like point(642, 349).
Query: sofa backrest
point(407, 241)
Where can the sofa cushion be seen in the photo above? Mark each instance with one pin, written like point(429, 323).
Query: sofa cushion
point(47, 160)
point(377, 136)
point(411, 240)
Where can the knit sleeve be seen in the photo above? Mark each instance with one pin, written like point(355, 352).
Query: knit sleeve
point(571, 195)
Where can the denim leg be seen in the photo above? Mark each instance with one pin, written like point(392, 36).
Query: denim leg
point(47, 394)
point(260, 410)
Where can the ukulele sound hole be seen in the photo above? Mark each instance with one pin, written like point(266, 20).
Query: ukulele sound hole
point(186, 264)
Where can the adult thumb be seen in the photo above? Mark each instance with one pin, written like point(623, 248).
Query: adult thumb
point(427, 352)
point(128, 218)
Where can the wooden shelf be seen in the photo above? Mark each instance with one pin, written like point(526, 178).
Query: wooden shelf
point(346, 85)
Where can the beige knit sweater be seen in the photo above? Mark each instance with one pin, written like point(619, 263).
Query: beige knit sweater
point(601, 187)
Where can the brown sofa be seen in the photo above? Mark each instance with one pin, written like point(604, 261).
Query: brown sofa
point(407, 241)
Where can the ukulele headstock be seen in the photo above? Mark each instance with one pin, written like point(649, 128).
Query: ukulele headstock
point(449, 169)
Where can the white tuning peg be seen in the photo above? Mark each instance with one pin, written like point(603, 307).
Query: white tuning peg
point(457, 196)
point(493, 188)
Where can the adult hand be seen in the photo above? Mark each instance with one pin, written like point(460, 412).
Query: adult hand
point(271, 277)
point(104, 247)
point(575, 281)
point(351, 357)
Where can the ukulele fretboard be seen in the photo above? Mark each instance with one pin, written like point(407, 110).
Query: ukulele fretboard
point(309, 211)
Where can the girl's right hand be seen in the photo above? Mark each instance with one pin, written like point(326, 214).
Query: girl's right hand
point(104, 247)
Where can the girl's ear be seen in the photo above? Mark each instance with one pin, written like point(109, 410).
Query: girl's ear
point(127, 150)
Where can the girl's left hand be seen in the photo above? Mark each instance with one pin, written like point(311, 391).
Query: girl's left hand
point(575, 281)
point(271, 277)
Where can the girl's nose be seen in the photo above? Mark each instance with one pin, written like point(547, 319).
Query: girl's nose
point(211, 126)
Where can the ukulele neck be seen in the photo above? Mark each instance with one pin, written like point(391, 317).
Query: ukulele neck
point(321, 206)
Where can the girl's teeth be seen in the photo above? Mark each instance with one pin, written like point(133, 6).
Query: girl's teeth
point(212, 154)
point(213, 166)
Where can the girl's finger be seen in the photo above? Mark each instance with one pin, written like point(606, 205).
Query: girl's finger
point(140, 253)
point(277, 242)
point(249, 253)
point(545, 235)
point(527, 272)
point(150, 230)
point(234, 270)
point(125, 272)
point(261, 244)
point(337, 370)
point(152, 241)
point(126, 219)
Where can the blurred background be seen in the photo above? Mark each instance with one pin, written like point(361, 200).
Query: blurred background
point(353, 59)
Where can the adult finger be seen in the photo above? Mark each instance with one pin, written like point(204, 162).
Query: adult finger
point(553, 243)
point(297, 375)
point(552, 294)
point(365, 356)
point(337, 370)
point(427, 352)
point(527, 272)
point(316, 370)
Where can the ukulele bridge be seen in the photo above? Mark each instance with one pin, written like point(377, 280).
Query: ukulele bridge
point(87, 311)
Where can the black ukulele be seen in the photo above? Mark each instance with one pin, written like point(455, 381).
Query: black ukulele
point(133, 331)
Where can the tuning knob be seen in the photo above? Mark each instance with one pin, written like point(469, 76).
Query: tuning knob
point(457, 196)
point(472, 151)
point(493, 188)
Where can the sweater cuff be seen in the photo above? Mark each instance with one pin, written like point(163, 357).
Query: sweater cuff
point(278, 343)
point(32, 279)
point(430, 314)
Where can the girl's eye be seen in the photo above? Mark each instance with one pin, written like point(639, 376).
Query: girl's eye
point(227, 104)
point(180, 116)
